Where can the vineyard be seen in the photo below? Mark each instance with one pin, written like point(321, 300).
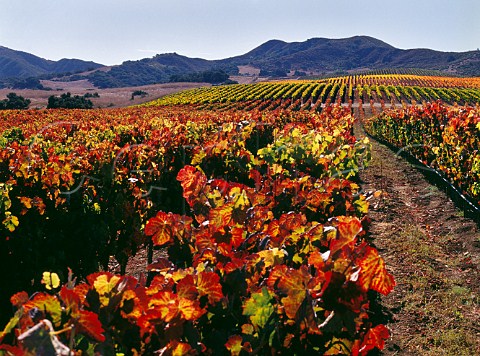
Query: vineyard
point(445, 139)
point(267, 237)
point(386, 90)
point(248, 193)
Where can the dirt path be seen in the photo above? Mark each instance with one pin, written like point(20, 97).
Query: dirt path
point(433, 253)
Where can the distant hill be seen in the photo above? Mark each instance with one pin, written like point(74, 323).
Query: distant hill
point(275, 58)
point(21, 65)
point(323, 56)
point(158, 69)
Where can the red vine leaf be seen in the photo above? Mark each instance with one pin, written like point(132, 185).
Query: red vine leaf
point(237, 236)
point(160, 228)
point(192, 181)
point(176, 348)
point(348, 228)
point(291, 221)
point(26, 201)
point(12, 350)
point(187, 177)
point(166, 304)
point(275, 274)
point(235, 346)
point(40, 205)
point(315, 199)
point(294, 285)
point(130, 307)
point(316, 259)
point(147, 321)
point(208, 283)
point(221, 216)
point(186, 288)
point(190, 309)
point(220, 185)
point(18, 299)
point(375, 338)
point(70, 298)
point(373, 274)
point(88, 323)
point(81, 290)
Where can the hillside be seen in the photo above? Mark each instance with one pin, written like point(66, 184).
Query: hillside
point(22, 65)
point(321, 56)
point(158, 69)
point(316, 56)
point(274, 59)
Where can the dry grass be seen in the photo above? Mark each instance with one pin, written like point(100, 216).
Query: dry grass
point(437, 297)
point(114, 97)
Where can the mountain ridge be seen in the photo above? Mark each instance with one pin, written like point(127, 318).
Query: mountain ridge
point(274, 58)
point(21, 65)
point(330, 55)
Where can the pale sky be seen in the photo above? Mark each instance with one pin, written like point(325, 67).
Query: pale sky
point(113, 31)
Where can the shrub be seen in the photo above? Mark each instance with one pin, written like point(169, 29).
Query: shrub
point(14, 101)
point(68, 101)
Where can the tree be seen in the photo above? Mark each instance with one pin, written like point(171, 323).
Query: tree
point(28, 83)
point(68, 101)
point(14, 101)
point(140, 93)
point(214, 76)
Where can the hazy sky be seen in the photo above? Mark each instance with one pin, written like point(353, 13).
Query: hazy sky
point(112, 31)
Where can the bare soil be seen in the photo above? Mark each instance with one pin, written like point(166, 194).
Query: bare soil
point(248, 70)
point(248, 79)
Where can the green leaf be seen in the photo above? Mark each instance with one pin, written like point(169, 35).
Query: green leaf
point(10, 222)
point(48, 304)
point(259, 308)
point(361, 206)
point(234, 344)
point(11, 324)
